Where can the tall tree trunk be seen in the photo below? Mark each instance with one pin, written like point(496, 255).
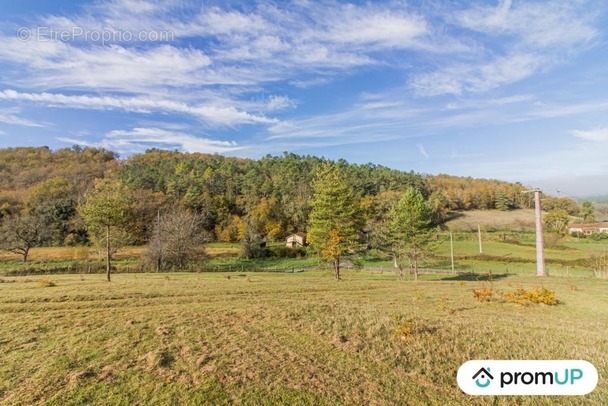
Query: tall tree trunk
point(108, 255)
point(337, 268)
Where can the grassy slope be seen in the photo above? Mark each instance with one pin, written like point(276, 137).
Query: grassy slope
point(280, 338)
point(520, 220)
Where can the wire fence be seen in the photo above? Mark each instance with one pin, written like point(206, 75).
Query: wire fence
point(53, 269)
point(491, 271)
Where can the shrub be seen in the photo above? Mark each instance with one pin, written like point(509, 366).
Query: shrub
point(46, 283)
point(408, 326)
point(535, 295)
point(252, 246)
point(285, 252)
point(484, 294)
point(598, 263)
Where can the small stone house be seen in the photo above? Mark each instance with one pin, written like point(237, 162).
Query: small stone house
point(297, 240)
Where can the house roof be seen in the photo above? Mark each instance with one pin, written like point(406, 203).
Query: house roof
point(589, 225)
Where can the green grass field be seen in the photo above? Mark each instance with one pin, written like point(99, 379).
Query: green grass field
point(264, 338)
point(501, 253)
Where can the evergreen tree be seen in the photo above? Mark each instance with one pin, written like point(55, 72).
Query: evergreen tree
point(502, 200)
point(588, 212)
point(335, 219)
point(410, 229)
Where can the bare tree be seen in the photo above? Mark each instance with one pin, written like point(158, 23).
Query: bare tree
point(19, 233)
point(177, 238)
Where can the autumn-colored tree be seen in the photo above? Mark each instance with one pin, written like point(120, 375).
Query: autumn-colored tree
point(234, 231)
point(588, 212)
point(20, 233)
point(107, 207)
point(557, 221)
point(335, 219)
point(265, 219)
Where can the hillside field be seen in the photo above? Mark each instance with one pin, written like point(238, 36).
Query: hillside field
point(266, 339)
point(490, 220)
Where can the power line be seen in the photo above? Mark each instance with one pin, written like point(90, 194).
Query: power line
point(561, 192)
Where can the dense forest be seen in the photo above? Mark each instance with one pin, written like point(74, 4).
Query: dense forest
point(271, 195)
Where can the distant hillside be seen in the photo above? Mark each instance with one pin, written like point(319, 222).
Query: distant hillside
point(271, 195)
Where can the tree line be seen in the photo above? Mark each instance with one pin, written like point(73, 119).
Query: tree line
point(49, 197)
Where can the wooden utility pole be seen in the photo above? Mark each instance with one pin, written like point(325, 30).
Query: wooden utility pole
point(479, 238)
point(540, 258)
point(108, 253)
point(452, 251)
point(158, 241)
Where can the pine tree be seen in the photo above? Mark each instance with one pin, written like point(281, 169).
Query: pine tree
point(501, 200)
point(410, 229)
point(335, 219)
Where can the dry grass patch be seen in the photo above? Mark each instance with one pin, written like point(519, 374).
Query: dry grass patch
point(285, 339)
point(520, 220)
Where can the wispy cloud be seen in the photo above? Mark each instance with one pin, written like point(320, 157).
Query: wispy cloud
point(422, 150)
point(139, 139)
point(473, 78)
point(596, 135)
point(11, 116)
point(309, 75)
point(207, 113)
point(533, 24)
point(534, 37)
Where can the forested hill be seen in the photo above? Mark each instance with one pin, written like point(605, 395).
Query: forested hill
point(273, 192)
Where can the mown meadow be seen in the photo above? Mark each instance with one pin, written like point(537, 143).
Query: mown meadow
point(284, 338)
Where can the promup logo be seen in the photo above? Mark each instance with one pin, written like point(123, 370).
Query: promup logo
point(483, 375)
point(500, 377)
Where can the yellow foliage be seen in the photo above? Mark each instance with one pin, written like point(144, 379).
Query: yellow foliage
point(331, 248)
point(235, 231)
point(534, 295)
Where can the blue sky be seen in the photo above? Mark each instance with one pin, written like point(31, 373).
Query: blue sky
point(512, 90)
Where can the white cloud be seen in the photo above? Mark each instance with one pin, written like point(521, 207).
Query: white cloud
point(381, 28)
point(523, 39)
point(596, 135)
point(249, 47)
point(422, 150)
point(11, 116)
point(276, 103)
point(210, 114)
point(138, 140)
point(535, 24)
point(478, 78)
point(54, 64)
point(306, 83)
